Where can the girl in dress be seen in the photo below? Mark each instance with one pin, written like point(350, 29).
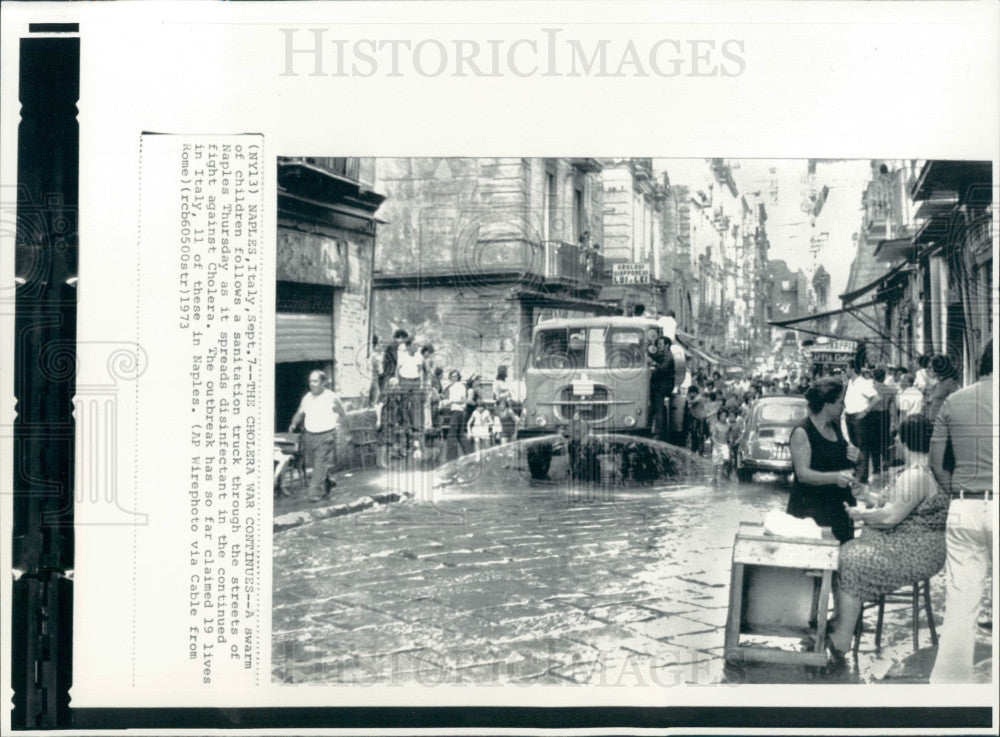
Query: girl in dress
point(480, 425)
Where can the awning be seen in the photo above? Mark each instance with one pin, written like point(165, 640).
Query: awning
point(972, 181)
point(795, 323)
point(937, 206)
point(936, 228)
point(688, 341)
point(817, 315)
point(617, 292)
point(559, 301)
point(894, 249)
point(704, 355)
point(853, 295)
point(853, 311)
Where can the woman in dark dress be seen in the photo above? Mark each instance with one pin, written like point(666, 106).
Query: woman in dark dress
point(823, 462)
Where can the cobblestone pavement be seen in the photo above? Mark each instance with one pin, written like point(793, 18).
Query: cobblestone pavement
point(515, 583)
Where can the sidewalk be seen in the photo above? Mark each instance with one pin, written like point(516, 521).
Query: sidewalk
point(356, 491)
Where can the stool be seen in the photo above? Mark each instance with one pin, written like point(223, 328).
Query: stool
point(780, 587)
point(907, 594)
point(288, 454)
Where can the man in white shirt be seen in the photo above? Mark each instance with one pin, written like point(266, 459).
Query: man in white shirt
point(966, 423)
point(321, 413)
point(858, 400)
point(668, 325)
point(409, 371)
point(910, 400)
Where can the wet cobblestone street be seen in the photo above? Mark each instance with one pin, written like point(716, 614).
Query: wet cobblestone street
point(518, 583)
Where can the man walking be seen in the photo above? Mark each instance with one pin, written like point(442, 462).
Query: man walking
point(859, 398)
point(966, 423)
point(321, 413)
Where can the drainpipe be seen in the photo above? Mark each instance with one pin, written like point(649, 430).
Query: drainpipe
point(371, 291)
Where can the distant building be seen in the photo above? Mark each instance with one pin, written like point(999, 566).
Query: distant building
point(789, 293)
point(633, 233)
point(886, 215)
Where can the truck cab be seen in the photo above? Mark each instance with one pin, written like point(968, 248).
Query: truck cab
point(599, 367)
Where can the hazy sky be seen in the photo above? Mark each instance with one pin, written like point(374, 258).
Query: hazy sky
point(783, 187)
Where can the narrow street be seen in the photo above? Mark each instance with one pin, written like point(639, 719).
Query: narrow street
point(509, 582)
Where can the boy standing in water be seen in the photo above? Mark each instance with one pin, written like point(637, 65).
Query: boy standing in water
point(508, 422)
point(719, 430)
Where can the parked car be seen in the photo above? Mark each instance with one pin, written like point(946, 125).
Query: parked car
point(764, 444)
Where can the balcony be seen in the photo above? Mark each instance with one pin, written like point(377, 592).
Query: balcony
point(568, 262)
point(310, 192)
point(587, 166)
point(356, 169)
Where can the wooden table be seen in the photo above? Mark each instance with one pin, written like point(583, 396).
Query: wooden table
point(781, 587)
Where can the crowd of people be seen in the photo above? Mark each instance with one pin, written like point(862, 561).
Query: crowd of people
point(930, 505)
point(715, 411)
point(421, 408)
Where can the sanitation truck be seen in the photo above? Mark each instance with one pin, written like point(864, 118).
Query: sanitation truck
point(604, 370)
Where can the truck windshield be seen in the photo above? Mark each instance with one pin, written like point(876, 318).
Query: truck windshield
point(591, 347)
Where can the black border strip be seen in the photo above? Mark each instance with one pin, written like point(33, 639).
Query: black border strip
point(53, 28)
point(46, 243)
point(537, 717)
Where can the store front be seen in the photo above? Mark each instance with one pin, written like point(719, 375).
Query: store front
point(304, 342)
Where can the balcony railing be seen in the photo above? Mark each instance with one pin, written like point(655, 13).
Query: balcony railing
point(567, 261)
point(350, 167)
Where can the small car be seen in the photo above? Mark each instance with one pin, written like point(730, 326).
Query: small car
point(764, 443)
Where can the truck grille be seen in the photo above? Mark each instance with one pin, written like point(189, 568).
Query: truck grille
point(591, 408)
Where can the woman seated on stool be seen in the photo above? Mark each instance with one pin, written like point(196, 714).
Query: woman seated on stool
point(903, 539)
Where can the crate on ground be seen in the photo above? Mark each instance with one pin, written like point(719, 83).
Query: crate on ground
point(363, 437)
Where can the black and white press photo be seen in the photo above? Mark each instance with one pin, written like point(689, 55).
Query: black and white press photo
point(423, 366)
point(632, 422)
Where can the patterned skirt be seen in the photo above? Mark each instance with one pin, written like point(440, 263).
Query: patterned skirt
point(880, 561)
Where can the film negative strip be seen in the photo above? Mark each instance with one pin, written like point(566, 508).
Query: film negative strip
point(45, 371)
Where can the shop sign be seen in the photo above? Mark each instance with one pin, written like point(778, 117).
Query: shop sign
point(630, 273)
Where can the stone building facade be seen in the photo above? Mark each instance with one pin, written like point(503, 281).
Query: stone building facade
point(633, 231)
point(474, 251)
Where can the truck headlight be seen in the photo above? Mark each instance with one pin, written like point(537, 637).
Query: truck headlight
point(629, 421)
point(540, 421)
